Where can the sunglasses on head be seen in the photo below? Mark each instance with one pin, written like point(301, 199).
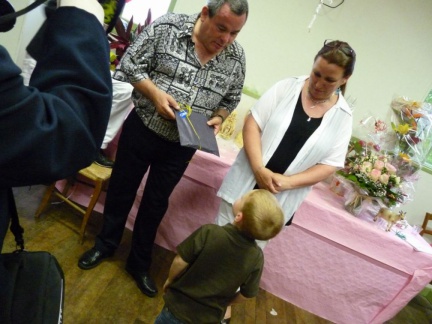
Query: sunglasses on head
point(343, 47)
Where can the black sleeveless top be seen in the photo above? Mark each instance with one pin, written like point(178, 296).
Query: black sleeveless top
point(298, 132)
point(296, 135)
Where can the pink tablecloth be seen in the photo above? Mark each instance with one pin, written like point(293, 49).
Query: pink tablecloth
point(342, 268)
point(327, 262)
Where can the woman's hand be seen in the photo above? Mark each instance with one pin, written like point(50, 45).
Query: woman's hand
point(266, 179)
point(282, 182)
point(309, 177)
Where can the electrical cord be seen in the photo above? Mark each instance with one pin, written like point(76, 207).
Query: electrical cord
point(333, 7)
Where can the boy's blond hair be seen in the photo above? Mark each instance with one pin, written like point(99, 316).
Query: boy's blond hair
point(263, 217)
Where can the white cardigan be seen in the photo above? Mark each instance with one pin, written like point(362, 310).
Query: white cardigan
point(273, 113)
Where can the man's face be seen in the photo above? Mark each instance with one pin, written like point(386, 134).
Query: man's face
point(220, 31)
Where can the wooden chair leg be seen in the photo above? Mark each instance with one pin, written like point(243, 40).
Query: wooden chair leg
point(45, 199)
point(69, 183)
point(427, 218)
point(93, 201)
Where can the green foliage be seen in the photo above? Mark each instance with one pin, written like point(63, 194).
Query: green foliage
point(124, 36)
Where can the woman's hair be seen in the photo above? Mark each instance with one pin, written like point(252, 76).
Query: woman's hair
point(341, 54)
point(238, 7)
point(262, 215)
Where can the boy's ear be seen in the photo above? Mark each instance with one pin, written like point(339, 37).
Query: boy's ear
point(238, 217)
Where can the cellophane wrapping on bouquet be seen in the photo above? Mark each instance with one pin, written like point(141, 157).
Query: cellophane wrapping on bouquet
point(382, 167)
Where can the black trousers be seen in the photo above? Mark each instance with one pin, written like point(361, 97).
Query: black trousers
point(4, 215)
point(140, 149)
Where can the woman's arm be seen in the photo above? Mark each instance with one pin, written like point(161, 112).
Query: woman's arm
point(252, 146)
point(309, 177)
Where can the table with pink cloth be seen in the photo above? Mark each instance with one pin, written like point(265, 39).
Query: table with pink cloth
point(328, 262)
point(343, 268)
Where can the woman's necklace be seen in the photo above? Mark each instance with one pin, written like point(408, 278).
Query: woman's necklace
point(316, 102)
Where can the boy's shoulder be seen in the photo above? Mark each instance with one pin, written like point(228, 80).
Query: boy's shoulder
point(218, 228)
point(211, 226)
point(212, 229)
point(225, 231)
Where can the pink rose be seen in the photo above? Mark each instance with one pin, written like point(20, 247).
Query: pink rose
point(366, 167)
point(375, 174)
point(379, 165)
point(390, 168)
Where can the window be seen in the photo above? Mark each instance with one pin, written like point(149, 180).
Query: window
point(139, 9)
point(428, 163)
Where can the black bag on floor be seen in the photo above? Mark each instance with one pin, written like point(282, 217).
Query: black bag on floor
point(31, 283)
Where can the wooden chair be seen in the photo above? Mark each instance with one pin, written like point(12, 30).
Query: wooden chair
point(94, 176)
point(424, 230)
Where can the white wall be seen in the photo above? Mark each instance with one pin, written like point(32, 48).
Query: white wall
point(25, 28)
point(12, 39)
point(392, 39)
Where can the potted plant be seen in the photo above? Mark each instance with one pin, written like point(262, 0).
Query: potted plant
point(124, 36)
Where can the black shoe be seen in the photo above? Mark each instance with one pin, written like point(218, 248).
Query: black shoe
point(92, 258)
point(144, 282)
point(102, 160)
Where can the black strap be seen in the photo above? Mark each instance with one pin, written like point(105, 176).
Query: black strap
point(15, 226)
point(14, 15)
point(110, 7)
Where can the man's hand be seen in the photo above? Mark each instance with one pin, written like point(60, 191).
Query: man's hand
point(216, 123)
point(165, 105)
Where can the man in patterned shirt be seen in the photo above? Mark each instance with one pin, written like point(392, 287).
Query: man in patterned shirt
point(192, 60)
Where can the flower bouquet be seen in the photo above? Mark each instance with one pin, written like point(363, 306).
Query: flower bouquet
point(372, 177)
point(412, 124)
point(381, 171)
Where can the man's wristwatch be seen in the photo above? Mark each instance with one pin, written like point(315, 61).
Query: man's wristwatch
point(217, 115)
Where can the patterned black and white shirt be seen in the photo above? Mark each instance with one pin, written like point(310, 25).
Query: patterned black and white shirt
point(164, 52)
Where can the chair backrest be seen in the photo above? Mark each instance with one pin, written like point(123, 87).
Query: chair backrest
point(428, 217)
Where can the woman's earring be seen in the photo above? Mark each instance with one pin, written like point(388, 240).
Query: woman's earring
point(338, 91)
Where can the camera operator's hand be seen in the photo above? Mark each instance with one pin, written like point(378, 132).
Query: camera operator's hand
point(91, 6)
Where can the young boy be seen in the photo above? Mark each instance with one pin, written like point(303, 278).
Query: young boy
point(215, 261)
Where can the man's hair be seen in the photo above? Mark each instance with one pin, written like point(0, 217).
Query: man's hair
point(262, 215)
point(238, 7)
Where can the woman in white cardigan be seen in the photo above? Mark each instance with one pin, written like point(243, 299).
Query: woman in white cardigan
point(296, 135)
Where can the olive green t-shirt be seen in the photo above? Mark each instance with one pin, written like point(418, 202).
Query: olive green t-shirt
point(221, 259)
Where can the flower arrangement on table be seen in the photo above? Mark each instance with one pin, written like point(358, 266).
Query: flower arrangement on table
point(381, 170)
point(374, 176)
point(412, 125)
